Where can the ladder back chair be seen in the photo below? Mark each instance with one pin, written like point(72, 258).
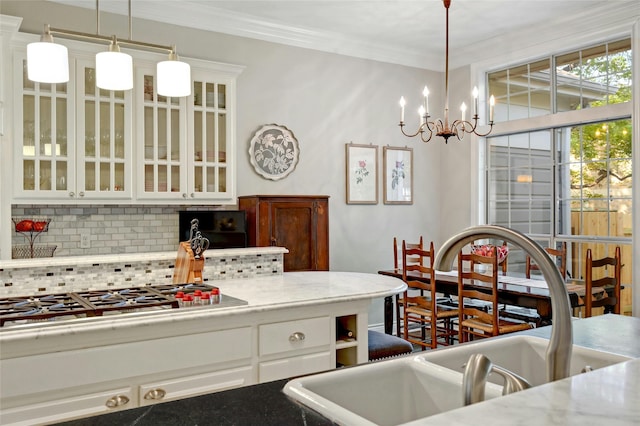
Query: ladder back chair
point(611, 301)
point(421, 309)
point(560, 256)
point(472, 321)
point(397, 265)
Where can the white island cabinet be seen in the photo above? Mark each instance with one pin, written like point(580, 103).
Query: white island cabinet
point(76, 368)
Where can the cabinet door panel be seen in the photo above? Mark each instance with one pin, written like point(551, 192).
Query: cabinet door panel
point(294, 366)
point(68, 408)
point(293, 227)
point(184, 387)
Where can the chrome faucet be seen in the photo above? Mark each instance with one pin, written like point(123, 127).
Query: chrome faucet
point(559, 350)
point(476, 372)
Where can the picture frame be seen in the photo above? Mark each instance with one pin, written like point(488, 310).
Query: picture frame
point(274, 151)
point(398, 175)
point(362, 173)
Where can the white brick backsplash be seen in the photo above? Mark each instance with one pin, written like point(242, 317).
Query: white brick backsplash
point(132, 228)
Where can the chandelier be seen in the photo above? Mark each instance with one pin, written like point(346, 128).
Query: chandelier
point(48, 62)
point(440, 127)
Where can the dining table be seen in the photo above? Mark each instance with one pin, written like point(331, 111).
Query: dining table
point(532, 293)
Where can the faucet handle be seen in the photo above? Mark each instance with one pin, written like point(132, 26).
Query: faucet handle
point(476, 372)
point(512, 381)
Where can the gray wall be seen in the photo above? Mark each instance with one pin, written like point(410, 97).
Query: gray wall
point(327, 100)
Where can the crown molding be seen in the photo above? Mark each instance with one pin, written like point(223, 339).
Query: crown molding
point(574, 27)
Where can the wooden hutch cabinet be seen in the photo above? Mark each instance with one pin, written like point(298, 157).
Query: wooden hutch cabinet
point(298, 223)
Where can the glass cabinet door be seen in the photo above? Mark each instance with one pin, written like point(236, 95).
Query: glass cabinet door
point(45, 129)
point(162, 130)
point(104, 129)
point(209, 144)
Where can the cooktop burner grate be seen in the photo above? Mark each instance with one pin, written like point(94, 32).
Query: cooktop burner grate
point(96, 302)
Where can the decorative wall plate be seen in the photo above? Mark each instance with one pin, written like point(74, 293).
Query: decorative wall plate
point(274, 151)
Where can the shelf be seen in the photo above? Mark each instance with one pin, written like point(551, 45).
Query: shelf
point(346, 343)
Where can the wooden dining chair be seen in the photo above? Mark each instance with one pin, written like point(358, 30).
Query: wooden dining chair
point(420, 308)
point(611, 301)
point(561, 261)
point(472, 321)
point(397, 265)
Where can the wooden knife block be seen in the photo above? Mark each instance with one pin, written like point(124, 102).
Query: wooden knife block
point(188, 269)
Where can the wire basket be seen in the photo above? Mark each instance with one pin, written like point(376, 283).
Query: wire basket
point(27, 251)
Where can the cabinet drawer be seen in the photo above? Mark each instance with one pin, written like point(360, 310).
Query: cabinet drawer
point(294, 335)
point(69, 408)
point(121, 361)
point(294, 366)
point(194, 385)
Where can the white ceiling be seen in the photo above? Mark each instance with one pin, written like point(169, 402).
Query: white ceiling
point(408, 32)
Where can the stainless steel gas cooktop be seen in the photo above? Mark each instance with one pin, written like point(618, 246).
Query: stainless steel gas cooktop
point(95, 303)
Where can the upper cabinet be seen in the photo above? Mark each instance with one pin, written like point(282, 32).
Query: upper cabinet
point(188, 147)
point(76, 143)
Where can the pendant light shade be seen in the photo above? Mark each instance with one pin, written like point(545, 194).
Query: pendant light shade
point(114, 70)
point(174, 77)
point(47, 62)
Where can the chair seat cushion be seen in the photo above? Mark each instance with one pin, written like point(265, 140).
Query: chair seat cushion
point(383, 345)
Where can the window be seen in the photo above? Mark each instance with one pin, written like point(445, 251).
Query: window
point(570, 182)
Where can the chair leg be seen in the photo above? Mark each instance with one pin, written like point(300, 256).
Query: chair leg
point(398, 315)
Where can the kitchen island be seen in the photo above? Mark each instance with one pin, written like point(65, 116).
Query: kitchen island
point(67, 369)
point(607, 396)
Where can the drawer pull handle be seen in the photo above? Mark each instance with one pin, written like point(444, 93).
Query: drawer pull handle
point(117, 401)
point(155, 394)
point(297, 337)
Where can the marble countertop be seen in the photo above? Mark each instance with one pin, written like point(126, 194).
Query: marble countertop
point(289, 290)
point(607, 396)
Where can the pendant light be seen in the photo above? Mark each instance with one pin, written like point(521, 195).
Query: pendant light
point(114, 69)
point(174, 76)
point(47, 62)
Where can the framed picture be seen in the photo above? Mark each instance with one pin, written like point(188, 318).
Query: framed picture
point(362, 174)
point(398, 175)
point(274, 151)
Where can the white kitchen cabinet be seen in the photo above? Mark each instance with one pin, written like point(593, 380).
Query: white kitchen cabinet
point(187, 152)
point(296, 347)
point(72, 139)
point(76, 379)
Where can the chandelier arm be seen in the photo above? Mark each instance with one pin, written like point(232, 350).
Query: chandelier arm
point(422, 133)
point(420, 130)
point(485, 134)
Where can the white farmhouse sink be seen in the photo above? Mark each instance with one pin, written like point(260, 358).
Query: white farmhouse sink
point(407, 389)
point(391, 392)
point(523, 355)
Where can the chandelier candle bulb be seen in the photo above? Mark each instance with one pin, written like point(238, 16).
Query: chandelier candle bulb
point(425, 92)
point(463, 108)
point(492, 103)
point(475, 100)
point(421, 114)
point(402, 104)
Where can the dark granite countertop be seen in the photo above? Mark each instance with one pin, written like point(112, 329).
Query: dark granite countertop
point(257, 405)
point(265, 404)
